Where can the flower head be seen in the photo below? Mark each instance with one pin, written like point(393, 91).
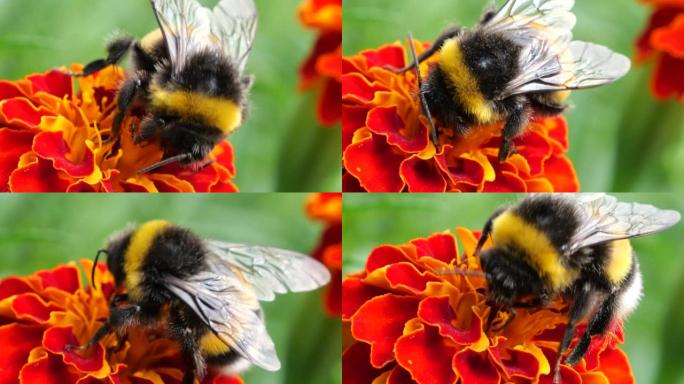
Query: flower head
point(387, 148)
point(663, 42)
point(327, 207)
point(52, 140)
point(41, 314)
point(322, 69)
point(409, 322)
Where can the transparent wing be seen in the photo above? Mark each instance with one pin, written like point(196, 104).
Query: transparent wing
point(549, 60)
point(270, 270)
point(234, 23)
point(230, 311)
point(518, 17)
point(604, 218)
point(186, 26)
point(553, 65)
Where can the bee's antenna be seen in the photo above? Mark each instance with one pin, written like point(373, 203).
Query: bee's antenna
point(423, 101)
point(92, 272)
point(159, 164)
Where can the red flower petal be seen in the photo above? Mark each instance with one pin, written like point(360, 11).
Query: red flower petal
point(352, 118)
point(380, 321)
point(330, 103)
point(52, 146)
point(358, 89)
point(384, 255)
point(426, 356)
point(374, 163)
point(55, 82)
point(355, 366)
point(37, 177)
point(355, 294)
point(400, 376)
point(476, 367)
point(31, 306)
point(387, 122)
point(615, 366)
point(57, 338)
point(422, 176)
point(660, 18)
point(13, 144)
point(405, 277)
point(9, 90)
point(668, 80)
point(17, 340)
point(65, 278)
point(440, 246)
point(11, 286)
point(48, 370)
point(392, 55)
point(437, 311)
point(561, 173)
point(519, 363)
point(21, 113)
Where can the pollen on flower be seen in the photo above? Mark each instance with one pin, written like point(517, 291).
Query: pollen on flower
point(45, 313)
point(54, 137)
point(408, 320)
point(387, 146)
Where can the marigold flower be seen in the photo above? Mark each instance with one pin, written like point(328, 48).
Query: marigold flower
point(410, 320)
point(663, 42)
point(43, 313)
point(386, 142)
point(51, 140)
point(322, 69)
point(327, 208)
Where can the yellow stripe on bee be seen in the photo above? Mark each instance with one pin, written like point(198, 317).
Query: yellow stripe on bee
point(619, 261)
point(215, 111)
point(138, 248)
point(151, 39)
point(451, 61)
point(511, 229)
point(212, 345)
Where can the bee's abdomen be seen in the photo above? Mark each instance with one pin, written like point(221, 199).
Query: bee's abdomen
point(619, 261)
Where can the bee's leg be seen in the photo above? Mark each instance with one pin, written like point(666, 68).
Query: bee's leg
point(180, 330)
point(119, 318)
point(436, 46)
point(583, 295)
point(487, 230)
point(597, 326)
point(116, 49)
point(127, 94)
point(518, 116)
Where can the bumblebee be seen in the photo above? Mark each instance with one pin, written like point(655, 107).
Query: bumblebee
point(576, 246)
point(188, 76)
point(517, 63)
point(204, 293)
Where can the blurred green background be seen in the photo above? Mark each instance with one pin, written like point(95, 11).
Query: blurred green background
point(654, 334)
point(40, 231)
point(620, 138)
point(279, 147)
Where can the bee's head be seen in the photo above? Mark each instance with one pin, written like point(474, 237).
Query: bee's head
point(509, 277)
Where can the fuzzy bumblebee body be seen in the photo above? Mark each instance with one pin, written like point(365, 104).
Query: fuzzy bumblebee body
point(517, 63)
point(206, 292)
point(188, 75)
point(576, 246)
